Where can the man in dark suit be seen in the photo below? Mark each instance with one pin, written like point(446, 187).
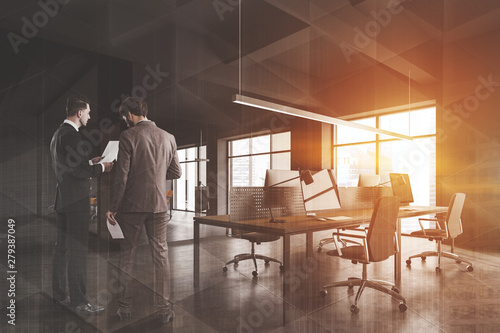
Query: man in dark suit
point(147, 157)
point(73, 170)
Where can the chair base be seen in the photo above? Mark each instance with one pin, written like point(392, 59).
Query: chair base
point(254, 257)
point(367, 283)
point(438, 254)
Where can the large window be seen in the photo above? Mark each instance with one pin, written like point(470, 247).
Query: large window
point(194, 170)
point(249, 158)
point(362, 152)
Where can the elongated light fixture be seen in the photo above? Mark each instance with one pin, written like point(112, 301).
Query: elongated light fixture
point(257, 103)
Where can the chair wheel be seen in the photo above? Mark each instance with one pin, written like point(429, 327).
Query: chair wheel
point(423, 258)
point(354, 309)
point(224, 269)
point(255, 273)
point(470, 268)
point(282, 268)
point(395, 289)
point(408, 262)
point(323, 292)
point(402, 307)
point(438, 269)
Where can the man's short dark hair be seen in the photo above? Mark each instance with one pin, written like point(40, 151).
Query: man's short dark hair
point(135, 105)
point(75, 103)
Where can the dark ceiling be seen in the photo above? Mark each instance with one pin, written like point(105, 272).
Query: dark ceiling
point(335, 57)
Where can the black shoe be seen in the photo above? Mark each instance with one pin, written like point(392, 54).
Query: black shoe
point(123, 313)
point(89, 308)
point(166, 317)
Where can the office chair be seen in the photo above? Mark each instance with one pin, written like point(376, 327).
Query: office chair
point(254, 238)
point(364, 180)
point(452, 228)
point(379, 242)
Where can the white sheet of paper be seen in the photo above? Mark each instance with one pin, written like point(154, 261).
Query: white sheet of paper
point(111, 152)
point(115, 230)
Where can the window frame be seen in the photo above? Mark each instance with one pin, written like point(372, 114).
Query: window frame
point(378, 141)
point(270, 153)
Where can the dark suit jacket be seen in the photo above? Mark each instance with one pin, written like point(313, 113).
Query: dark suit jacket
point(147, 157)
point(72, 169)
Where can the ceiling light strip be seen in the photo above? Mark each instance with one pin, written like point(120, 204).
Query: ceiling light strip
point(257, 103)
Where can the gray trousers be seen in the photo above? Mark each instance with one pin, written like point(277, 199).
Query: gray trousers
point(156, 230)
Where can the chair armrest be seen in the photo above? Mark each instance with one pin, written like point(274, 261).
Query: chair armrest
point(351, 235)
point(426, 219)
point(433, 220)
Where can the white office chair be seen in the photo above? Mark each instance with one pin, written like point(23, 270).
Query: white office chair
point(451, 229)
point(379, 242)
point(364, 180)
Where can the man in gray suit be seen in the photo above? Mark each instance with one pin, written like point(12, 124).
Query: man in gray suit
point(147, 157)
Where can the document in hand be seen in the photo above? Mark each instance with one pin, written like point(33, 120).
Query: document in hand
point(111, 152)
point(114, 230)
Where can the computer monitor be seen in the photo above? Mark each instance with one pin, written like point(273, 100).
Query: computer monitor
point(400, 183)
point(322, 194)
point(282, 178)
point(368, 180)
point(281, 187)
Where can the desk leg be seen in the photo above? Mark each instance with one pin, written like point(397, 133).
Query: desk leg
point(196, 255)
point(286, 275)
point(397, 257)
point(309, 242)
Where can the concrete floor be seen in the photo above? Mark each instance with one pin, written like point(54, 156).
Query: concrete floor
point(453, 301)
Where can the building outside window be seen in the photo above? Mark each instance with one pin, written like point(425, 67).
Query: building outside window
point(249, 158)
point(361, 152)
point(194, 170)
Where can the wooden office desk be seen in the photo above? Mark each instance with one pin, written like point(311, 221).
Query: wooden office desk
point(304, 225)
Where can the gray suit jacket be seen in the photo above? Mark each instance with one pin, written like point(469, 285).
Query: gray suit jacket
point(147, 157)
